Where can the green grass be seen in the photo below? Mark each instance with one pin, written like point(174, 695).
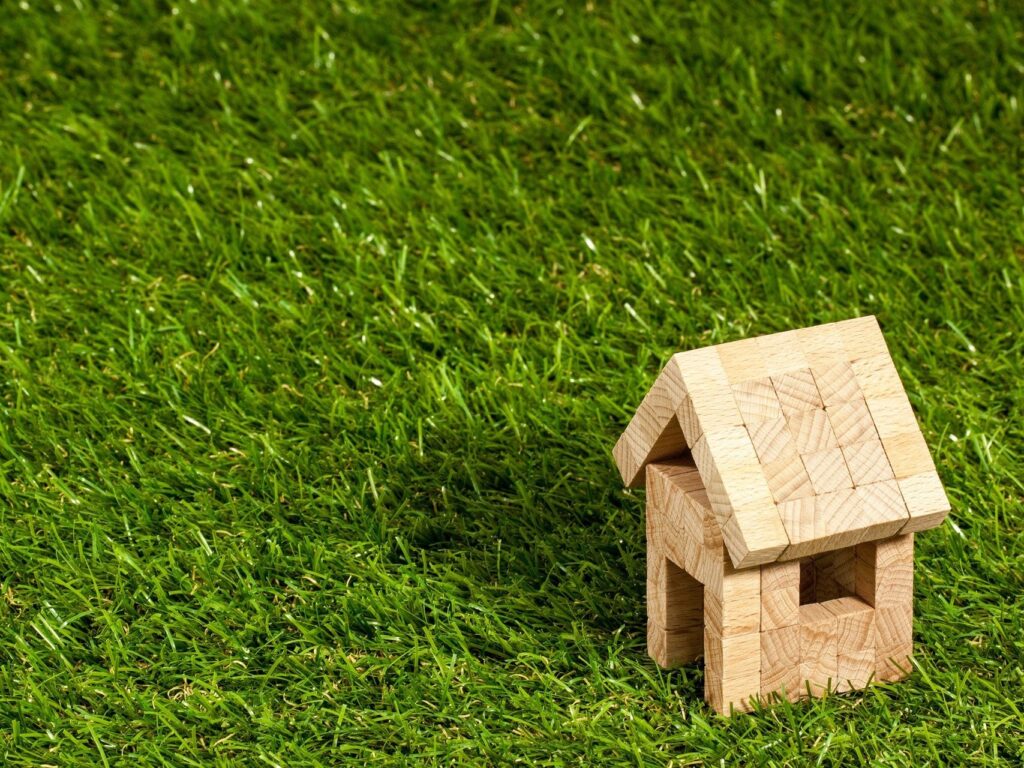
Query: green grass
point(319, 322)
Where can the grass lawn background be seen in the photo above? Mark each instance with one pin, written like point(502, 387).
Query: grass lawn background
point(319, 322)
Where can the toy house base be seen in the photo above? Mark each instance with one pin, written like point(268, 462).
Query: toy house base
point(831, 622)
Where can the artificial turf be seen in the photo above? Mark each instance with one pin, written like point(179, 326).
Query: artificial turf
point(319, 322)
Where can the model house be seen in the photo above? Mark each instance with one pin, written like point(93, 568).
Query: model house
point(786, 476)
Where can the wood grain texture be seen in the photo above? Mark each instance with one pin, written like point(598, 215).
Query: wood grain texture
point(908, 455)
point(893, 416)
point(788, 479)
point(818, 648)
point(780, 608)
point(876, 376)
point(861, 337)
point(926, 501)
point(732, 671)
point(780, 663)
point(827, 470)
point(812, 431)
point(772, 440)
point(742, 360)
point(797, 392)
point(782, 353)
point(654, 431)
point(851, 422)
point(867, 462)
point(837, 383)
point(757, 401)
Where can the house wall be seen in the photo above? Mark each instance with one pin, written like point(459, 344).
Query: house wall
point(756, 638)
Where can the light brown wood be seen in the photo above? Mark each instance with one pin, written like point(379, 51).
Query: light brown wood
point(732, 669)
point(861, 337)
point(855, 638)
point(780, 595)
point(908, 455)
point(788, 479)
point(782, 353)
point(780, 663)
point(812, 431)
point(827, 470)
point(834, 575)
point(822, 346)
point(892, 416)
point(757, 401)
point(851, 422)
point(867, 462)
point(877, 377)
point(654, 432)
point(837, 383)
point(894, 642)
point(818, 648)
point(797, 392)
point(742, 360)
point(926, 501)
point(772, 440)
point(711, 405)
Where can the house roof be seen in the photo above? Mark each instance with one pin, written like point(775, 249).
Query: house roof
point(805, 441)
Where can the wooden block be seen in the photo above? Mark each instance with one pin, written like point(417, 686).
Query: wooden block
point(730, 470)
point(780, 663)
point(836, 383)
point(732, 671)
point(674, 485)
point(798, 519)
point(742, 360)
point(893, 416)
point(736, 609)
point(710, 405)
point(787, 479)
point(854, 670)
point(855, 624)
point(827, 470)
point(653, 432)
point(855, 639)
point(780, 576)
point(908, 454)
point(861, 337)
point(885, 572)
point(811, 431)
point(818, 648)
point(780, 608)
point(782, 353)
point(772, 440)
point(740, 497)
point(926, 501)
point(829, 521)
point(689, 424)
point(673, 647)
point(893, 642)
point(797, 392)
point(764, 537)
point(675, 600)
point(757, 401)
point(822, 345)
point(883, 512)
point(867, 462)
point(877, 376)
point(851, 422)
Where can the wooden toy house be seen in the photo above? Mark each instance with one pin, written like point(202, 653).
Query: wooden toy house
point(786, 476)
